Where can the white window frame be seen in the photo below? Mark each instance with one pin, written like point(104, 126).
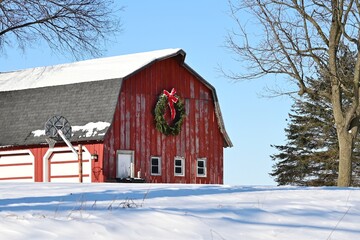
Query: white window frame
point(204, 168)
point(182, 166)
point(159, 166)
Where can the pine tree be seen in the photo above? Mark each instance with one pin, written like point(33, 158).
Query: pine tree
point(311, 154)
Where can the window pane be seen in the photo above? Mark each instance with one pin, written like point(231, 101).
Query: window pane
point(201, 171)
point(155, 170)
point(178, 170)
point(200, 163)
point(155, 161)
point(177, 162)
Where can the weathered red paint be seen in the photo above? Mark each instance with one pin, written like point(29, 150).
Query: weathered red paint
point(39, 152)
point(133, 128)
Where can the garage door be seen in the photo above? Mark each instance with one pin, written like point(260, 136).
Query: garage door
point(17, 166)
point(62, 166)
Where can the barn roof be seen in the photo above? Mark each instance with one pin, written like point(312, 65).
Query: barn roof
point(31, 96)
point(84, 71)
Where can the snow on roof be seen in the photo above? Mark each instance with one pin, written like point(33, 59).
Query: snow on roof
point(83, 71)
point(90, 129)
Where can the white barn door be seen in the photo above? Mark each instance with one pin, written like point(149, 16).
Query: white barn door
point(61, 165)
point(125, 164)
point(17, 166)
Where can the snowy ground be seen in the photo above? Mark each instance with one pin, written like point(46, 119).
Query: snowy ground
point(148, 211)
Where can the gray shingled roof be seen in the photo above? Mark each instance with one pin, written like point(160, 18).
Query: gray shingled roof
point(23, 112)
point(84, 92)
point(28, 98)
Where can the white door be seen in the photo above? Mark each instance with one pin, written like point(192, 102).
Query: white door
point(61, 165)
point(17, 166)
point(125, 164)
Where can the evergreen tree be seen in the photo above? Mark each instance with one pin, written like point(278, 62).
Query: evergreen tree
point(311, 155)
point(300, 38)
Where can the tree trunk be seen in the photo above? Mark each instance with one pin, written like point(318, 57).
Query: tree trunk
point(346, 143)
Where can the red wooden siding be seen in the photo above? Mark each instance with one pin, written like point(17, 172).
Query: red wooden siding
point(133, 127)
point(96, 167)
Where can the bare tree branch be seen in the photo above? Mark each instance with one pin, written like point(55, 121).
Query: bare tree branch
point(300, 39)
point(80, 27)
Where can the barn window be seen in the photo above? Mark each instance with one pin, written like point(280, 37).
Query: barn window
point(155, 166)
point(201, 167)
point(179, 166)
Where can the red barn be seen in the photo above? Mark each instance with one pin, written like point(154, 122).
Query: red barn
point(139, 116)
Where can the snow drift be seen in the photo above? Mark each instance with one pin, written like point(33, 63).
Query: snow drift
point(159, 211)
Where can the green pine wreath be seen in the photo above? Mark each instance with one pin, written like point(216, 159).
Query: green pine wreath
point(161, 124)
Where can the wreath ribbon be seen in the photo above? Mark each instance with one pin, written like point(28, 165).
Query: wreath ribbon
point(171, 100)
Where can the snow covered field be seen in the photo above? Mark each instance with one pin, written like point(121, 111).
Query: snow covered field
point(149, 211)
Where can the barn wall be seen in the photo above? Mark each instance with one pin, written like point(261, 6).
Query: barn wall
point(133, 127)
point(40, 151)
point(111, 145)
point(96, 166)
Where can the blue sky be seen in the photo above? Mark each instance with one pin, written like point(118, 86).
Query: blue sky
point(199, 28)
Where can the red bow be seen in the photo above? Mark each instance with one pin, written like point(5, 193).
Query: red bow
point(171, 100)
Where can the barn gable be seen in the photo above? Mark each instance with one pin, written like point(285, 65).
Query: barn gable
point(85, 92)
point(227, 141)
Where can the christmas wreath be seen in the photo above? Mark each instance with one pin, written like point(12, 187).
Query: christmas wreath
point(177, 111)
